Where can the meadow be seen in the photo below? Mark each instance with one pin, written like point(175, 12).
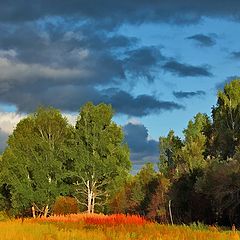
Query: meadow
point(102, 227)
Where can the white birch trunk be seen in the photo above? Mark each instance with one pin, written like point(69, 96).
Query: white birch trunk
point(45, 211)
point(33, 212)
point(89, 197)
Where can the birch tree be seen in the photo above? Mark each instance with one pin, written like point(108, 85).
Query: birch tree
point(102, 158)
point(32, 166)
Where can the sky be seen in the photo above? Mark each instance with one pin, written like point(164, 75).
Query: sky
point(158, 63)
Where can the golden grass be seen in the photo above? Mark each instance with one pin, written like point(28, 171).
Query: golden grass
point(69, 230)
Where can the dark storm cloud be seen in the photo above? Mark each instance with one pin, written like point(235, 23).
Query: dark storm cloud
point(73, 50)
point(142, 149)
point(203, 40)
point(110, 13)
point(140, 62)
point(220, 85)
point(182, 94)
point(71, 97)
point(41, 63)
point(141, 105)
point(185, 70)
point(64, 97)
point(74, 47)
point(82, 48)
point(235, 55)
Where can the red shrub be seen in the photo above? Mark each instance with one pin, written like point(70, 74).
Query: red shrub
point(97, 219)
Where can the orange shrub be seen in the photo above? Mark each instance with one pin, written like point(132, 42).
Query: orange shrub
point(65, 205)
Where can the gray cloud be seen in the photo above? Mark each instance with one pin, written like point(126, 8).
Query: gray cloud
point(142, 149)
point(83, 48)
point(109, 13)
point(140, 62)
point(73, 51)
point(76, 48)
point(185, 70)
point(71, 97)
point(235, 55)
point(141, 105)
point(203, 40)
point(182, 94)
point(41, 63)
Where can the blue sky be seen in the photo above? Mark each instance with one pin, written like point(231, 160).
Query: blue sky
point(157, 62)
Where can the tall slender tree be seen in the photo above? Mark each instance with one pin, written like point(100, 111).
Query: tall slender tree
point(102, 158)
point(226, 120)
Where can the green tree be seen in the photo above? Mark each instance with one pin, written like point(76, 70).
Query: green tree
point(143, 188)
point(32, 166)
point(102, 159)
point(192, 153)
point(226, 120)
point(169, 154)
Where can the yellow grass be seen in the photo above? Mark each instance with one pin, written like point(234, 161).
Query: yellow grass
point(29, 230)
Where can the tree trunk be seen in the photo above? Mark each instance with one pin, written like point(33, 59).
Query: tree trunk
point(170, 211)
point(33, 212)
point(45, 211)
point(89, 197)
point(93, 202)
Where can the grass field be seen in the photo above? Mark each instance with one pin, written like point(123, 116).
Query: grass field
point(101, 227)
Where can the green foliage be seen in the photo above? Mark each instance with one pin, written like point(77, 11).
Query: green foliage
point(46, 156)
point(178, 157)
point(192, 153)
point(226, 120)
point(169, 154)
point(198, 226)
point(199, 174)
point(101, 158)
point(142, 188)
point(32, 166)
point(65, 205)
point(204, 167)
point(3, 216)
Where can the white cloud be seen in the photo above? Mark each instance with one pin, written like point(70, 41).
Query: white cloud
point(134, 121)
point(9, 120)
point(71, 117)
point(23, 72)
point(7, 53)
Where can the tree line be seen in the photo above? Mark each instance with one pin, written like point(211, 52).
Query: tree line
point(47, 157)
point(198, 177)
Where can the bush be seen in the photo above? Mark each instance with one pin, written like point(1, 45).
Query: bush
point(65, 205)
point(3, 216)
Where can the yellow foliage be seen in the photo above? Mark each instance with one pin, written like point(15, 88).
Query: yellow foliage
point(34, 230)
